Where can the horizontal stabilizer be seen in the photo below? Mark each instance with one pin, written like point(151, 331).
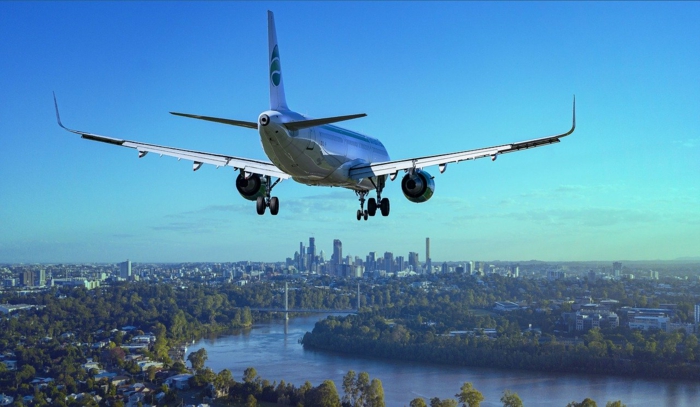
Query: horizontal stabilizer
point(250, 125)
point(304, 124)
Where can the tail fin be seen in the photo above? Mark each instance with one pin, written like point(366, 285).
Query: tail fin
point(277, 99)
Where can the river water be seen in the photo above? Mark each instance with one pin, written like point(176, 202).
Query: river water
point(273, 349)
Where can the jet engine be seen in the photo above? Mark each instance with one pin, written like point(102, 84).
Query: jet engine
point(418, 187)
point(251, 188)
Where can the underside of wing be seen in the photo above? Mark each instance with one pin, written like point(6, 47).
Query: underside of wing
point(392, 167)
point(197, 157)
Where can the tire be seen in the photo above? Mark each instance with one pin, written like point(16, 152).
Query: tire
point(365, 214)
point(384, 206)
point(260, 205)
point(274, 206)
point(359, 214)
point(371, 206)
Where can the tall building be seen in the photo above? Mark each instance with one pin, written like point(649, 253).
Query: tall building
point(617, 269)
point(40, 279)
point(389, 262)
point(337, 258)
point(26, 278)
point(371, 261)
point(428, 260)
point(125, 270)
point(302, 257)
point(413, 261)
point(697, 313)
point(311, 255)
point(400, 263)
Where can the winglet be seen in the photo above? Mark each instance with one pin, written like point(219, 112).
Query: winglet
point(574, 123)
point(58, 116)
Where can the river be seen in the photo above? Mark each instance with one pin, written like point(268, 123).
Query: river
point(273, 349)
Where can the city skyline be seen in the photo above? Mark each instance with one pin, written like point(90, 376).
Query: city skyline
point(622, 187)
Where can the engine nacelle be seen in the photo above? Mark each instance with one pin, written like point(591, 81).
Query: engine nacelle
point(418, 187)
point(251, 188)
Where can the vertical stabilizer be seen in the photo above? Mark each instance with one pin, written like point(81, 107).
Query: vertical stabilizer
point(277, 99)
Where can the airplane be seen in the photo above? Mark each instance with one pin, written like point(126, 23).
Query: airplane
point(318, 153)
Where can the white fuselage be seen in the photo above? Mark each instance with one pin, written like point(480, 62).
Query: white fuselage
point(320, 155)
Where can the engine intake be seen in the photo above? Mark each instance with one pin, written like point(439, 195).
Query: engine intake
point(418, 187)
point(251, 188)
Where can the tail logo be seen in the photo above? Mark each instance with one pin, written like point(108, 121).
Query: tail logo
point(275, 68)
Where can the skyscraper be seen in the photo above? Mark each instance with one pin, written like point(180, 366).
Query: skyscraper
point(311, 255)
point(427, 249)
point(617, 269)
point(337, 258)
point(40, 278)
point(26, 278)
point(302, 257)
point(389, 262)
point(125, 270)
point(413, 261)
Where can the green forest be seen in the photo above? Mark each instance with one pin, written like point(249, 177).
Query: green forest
point(418, 324)
point(410, 319)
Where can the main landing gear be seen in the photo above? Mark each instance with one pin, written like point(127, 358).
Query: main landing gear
point(263, 202)
point(373, 204)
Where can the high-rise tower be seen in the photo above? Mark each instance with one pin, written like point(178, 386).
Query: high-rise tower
point(428, 260)
point(125, 270)
point(337, 258)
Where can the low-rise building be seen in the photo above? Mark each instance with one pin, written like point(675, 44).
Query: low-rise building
point(505, 306)
point(646, 323)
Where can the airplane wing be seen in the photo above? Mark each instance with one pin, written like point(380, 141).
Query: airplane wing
point(393, 167)
point(197, 157)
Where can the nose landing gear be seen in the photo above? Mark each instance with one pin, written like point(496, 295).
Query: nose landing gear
point(362, 212)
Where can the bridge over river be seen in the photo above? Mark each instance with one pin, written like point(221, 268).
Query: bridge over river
point(287, 310)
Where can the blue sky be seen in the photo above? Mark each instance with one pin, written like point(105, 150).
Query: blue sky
point(432, 77)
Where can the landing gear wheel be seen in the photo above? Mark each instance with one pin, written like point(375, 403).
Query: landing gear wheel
point(384, 206)
point(365, 214)
point(274, 206)
point(260, 205)
point(359, 214)
point(371, 206)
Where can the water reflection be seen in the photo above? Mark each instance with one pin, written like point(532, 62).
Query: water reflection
point(273, 349)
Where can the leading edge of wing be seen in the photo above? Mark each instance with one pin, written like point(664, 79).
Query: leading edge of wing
point(198, 157)
point(391, 167)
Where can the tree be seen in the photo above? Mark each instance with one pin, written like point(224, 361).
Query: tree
point(251, 401)
point(585, 403)
point(469, 396)
point(249, 375)
point(511, 399)
point(325, 395)
point(352, 393)
point(617, 403)
point(223, 380)
point(198, 358)
point(436, 402)
point(151, 372)
point(375, 394)
point(418, 402)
